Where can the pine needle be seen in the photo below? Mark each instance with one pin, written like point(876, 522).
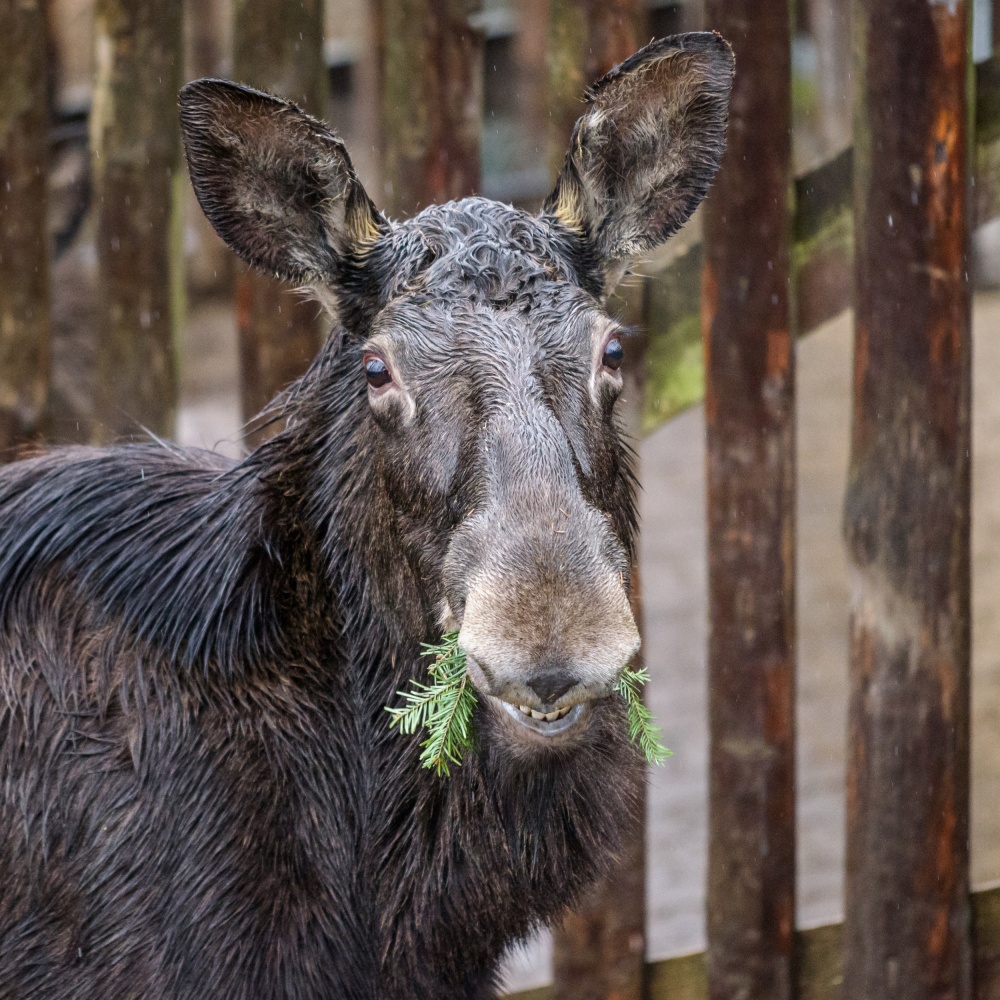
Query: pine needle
point(640, 719)
point(445, 708)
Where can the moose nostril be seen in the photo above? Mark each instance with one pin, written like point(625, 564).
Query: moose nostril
point(551, 685)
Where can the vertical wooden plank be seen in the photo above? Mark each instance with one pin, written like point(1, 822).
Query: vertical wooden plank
point(431, 103)
point(586, 39)
point(693, 15)
point(24, 258)
point(531, 57)
point(749, 411)
point(135, 143)
point(277, 47)
point(208, 47)
point(600, 948)
point(208, 37)
point(569, 60)
point(906, 516)
point(986, 944)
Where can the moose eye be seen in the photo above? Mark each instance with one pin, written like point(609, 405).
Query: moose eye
point(613, 355)
point(376, 371)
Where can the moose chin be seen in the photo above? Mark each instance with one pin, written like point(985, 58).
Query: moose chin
point(200, 794)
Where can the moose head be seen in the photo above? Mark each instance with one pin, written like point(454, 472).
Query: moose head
point(475, 353)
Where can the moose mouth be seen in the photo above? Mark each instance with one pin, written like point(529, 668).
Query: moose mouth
point(554, 723)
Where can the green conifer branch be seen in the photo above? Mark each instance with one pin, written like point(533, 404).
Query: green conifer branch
point(445, 708)
point(640, 719)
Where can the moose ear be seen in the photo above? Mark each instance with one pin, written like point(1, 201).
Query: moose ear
point(277, 185)
point(644, 154)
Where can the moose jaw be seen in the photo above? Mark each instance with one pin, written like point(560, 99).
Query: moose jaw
point(199, 793)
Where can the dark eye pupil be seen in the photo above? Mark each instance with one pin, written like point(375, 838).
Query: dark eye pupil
point(377, 373)
point(614, 354)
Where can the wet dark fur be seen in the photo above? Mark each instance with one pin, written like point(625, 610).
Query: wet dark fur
point(199, 793)
point(202, 794)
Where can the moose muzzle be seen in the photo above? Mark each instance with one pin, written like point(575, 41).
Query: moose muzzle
point(545, 621)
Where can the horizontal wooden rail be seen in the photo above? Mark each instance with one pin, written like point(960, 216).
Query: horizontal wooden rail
point(821, 262)
point(819, 967)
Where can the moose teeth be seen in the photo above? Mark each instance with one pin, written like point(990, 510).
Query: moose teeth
point(546, 716)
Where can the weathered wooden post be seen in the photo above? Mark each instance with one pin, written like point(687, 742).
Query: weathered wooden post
point(586, 38)
point(24, 256)
point(693, 15)
point(600, 948)
point(531, 58)
point(431, 103)
point(277, 47)
point(749, 412)
point(209, 263)
point(906, 516)
point(208, 37)
point(135, 141)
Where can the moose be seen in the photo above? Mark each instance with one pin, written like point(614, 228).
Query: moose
point(200, 793)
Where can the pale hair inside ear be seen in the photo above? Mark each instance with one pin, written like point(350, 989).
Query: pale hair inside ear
point(643, 155)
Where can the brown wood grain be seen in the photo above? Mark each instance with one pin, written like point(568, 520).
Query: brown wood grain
point(210, 264)
point(586, 39)
point(277, 47)
point(24, 257)
point(135, 145)
point(431, 62)
point(749, 412)
point(906, 517)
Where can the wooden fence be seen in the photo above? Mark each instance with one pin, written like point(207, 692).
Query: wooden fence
point(818, 971)
point(883, 226)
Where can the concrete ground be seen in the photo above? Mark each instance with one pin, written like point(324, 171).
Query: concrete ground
point(675, 593)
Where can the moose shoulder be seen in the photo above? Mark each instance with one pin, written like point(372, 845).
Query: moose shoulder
point(200, 795)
